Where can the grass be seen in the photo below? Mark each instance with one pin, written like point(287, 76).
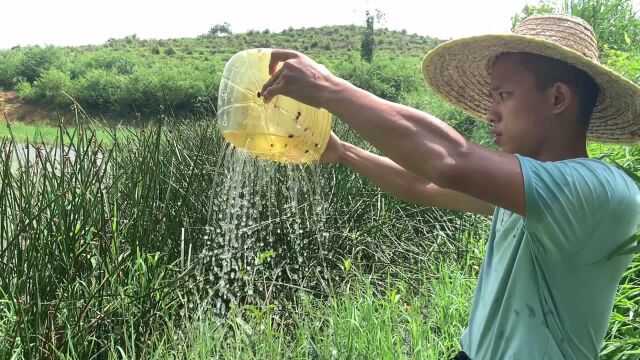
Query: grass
point(99, 256)
point(359, 322)
point(43, 131)
point(99, 245)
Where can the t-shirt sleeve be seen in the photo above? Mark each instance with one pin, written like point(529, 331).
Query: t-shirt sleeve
point(579, 205)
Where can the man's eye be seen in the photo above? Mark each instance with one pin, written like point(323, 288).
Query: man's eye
point(503, 94)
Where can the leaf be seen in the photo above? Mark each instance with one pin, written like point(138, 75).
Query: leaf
point(629, 173)
point(265, 255)
point(347, 264)
point(627, 39)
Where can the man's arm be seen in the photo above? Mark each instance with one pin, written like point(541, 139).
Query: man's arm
point(418, 142)
point(397, 181)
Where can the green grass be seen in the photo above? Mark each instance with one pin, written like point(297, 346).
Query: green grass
point(98, 260)
point(43, 132)
point(361, 321)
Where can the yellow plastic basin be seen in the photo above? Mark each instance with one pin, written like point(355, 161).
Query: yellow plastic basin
point(283, 130)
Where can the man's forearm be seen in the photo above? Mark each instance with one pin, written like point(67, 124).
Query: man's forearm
point(413, 139)
point(386, 174)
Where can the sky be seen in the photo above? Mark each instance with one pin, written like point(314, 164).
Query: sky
point(83, 22)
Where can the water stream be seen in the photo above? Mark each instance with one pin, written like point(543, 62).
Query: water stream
point(266, 232)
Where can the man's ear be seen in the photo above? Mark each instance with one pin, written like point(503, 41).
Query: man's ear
point(561, 97)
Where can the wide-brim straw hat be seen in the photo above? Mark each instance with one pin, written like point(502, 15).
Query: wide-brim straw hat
point(460, 71)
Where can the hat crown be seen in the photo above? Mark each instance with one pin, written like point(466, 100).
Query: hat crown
point(568, 31)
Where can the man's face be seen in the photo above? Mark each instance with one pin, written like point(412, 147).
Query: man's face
point(520, 111)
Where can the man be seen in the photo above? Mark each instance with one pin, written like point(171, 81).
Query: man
point(548, 281)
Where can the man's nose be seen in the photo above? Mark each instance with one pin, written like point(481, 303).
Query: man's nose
point(493, 116)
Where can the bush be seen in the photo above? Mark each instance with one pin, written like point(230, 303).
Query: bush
point(99, 90)
point(109, 61)
point(388, 78)
point(8, 69)
point(176, 89)
point(625, 63)
point(25, 90)
point(35, 60)
point(50, 88)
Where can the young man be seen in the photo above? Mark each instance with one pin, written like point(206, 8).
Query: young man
point(548, 282)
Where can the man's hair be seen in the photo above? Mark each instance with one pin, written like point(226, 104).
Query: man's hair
point(548, 71)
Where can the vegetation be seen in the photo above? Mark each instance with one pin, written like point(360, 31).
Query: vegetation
point(615, 22)
point(132, 78)
point(103, 228)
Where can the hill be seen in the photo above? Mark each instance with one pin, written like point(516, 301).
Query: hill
point(132, 78)
point(322, 41)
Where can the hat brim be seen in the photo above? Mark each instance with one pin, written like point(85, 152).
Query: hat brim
point(459, 71)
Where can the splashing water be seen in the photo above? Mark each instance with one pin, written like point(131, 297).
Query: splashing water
point(266, 234)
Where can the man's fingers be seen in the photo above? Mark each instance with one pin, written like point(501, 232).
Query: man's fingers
point(272, 91)
point(278, 56)
point(272, 80)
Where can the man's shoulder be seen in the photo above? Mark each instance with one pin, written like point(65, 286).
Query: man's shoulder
point(581, 170)
point(600, 171)
point(585, 183)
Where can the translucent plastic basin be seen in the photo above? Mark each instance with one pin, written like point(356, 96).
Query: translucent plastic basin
point(283, 130)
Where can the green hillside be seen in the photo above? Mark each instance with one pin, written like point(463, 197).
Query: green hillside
point(132, 78)
point(338, 40)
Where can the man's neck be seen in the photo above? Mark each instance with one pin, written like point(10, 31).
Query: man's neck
point(564, 150)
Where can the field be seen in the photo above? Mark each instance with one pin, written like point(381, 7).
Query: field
point(109, 228)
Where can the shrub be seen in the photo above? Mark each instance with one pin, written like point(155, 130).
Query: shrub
point(99, 90)
point(25, 90)
point(35, 60)
point(8, 69)
point(625, 63)
point(388, 78)
point(50, 88)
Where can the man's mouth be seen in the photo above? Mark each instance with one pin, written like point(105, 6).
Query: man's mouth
point(496, 135)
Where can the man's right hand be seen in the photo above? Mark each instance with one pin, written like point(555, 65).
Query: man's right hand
point(399, 182)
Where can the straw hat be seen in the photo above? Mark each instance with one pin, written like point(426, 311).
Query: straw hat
point(459, 70)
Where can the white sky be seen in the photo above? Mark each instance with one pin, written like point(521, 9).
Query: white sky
point(79, 22)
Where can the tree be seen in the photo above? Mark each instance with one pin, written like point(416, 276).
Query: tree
point(221, 29)
point(368, 43)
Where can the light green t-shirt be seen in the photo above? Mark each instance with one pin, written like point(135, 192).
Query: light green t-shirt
point(546, 289)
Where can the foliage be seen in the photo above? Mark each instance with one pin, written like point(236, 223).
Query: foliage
point(388, 77)
point(614, 22)
point(51, 88)
point(622, 340)
point(367, 38)
point(625, 63)
point(221, 29)
point(368, 42)
point(96, 244)
point(100, 242)
point(361, 321)
point(178, 77)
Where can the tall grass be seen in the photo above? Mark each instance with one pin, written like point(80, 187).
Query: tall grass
point(360, 321)
point(99, 241)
